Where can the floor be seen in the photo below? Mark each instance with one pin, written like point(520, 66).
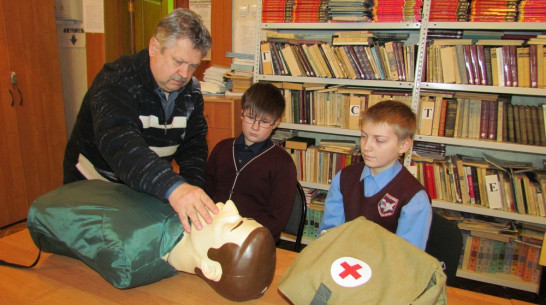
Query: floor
point(461, 283)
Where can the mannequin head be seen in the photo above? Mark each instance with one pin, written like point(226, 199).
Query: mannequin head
point(233, 254)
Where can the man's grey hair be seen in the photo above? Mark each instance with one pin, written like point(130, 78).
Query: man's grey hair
point(183, 23)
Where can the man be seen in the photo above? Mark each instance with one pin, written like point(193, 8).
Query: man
point(143, 111)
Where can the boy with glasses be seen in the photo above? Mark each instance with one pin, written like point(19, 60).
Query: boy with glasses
point(259, 176)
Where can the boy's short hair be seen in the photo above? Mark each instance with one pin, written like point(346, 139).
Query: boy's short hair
point(264, 99)
point(396, 114)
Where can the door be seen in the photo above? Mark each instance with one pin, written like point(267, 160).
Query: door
point(148, 13)
point(34, 58)
point(129, 25)
point(13, 198)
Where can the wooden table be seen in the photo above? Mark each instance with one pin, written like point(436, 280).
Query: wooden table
point(61, 280)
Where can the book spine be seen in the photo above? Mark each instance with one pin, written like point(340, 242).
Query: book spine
point(475, 64)
point(367, 67)
point(530, 124)
point(443, 114)
point(536, 125)
point(523, 125)
point(481, 64)
point(468, 65)
point(493, 118)
point(506, 66)
point(513, 66)
point(494, 67)
point(470, 183)
point(354, 61)
point(488, 66)
point(484, 120)
point(476, 185)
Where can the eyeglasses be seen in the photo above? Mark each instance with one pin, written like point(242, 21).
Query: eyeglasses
point(249, 119)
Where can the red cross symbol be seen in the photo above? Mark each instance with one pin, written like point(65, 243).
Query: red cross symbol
point(350, 270)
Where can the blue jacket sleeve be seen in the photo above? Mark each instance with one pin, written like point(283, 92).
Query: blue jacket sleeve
point(334, 214)
point(415, 219)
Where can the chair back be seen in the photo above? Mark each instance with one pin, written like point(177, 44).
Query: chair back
point(445, 242)
point(296, 222)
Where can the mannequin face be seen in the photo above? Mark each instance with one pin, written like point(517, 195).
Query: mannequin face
point(227, 227)
point(233, 254)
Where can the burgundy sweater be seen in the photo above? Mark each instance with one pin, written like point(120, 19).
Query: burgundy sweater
point(383, 208)
point(263, 189)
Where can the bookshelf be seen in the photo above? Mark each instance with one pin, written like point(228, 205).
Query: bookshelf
point(418, 34)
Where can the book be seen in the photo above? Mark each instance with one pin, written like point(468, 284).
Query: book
point(340, 41)
point(499, 42)
point(349, 66)
point(484, 120)
point(463, 181)
point(533, 67)
point(267, 64)
point(443, 115)
point(494, 67)
point(463, 75)
point(472, 260)
point(493, 117)
point(355, 62)
point(493, 188)
point(338, 142)
point(480, 51)
point(488, 66)
point(297, 142)
point(450, 117)
point(466, 252)
point(391, 60)
point(426, 117)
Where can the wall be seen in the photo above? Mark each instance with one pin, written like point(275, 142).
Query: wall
point(73, 59)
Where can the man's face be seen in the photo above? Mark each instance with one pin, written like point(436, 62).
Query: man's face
point(173, 67)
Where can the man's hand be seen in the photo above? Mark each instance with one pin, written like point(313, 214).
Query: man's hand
point(191, 201)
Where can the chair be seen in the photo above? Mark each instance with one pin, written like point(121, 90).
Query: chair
point(296, 222)
point(445, 242)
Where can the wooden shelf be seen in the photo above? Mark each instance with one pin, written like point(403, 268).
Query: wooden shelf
point(475, 209)
point(505, 280)
point(343, 26)
point(488, 144)
point(321, 129)
point(337, 81)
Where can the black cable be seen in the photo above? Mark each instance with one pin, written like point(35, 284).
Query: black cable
point(14, 265)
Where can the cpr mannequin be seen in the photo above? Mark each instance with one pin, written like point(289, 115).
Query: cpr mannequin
point(235, 255)
point(133, 239)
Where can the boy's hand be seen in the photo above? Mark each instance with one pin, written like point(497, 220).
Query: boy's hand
point(191, 202)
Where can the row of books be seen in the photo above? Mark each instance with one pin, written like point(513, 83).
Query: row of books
point(475, 181)
point(276, 11)
point(493, 11)
point(397, 11)
point(493, 256)
point(362, 59)
point(320, 163)
point(333, 106)
point(492, 62)
point(286, 11)
point(532, 11)
point(481, 116)
point(315, 211)
point(449, 11)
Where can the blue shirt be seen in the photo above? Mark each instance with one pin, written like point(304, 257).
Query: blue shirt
point(415, 217)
